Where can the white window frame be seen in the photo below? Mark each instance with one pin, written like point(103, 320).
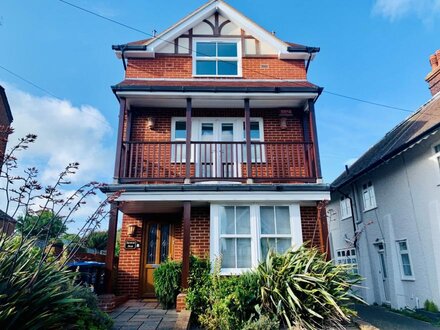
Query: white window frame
point(217, 58)
point(196, 130)
point(345, 208)
point(295, 225)
point(347, 256)
point(436, 150)
point(400, 253)
point(369, 203)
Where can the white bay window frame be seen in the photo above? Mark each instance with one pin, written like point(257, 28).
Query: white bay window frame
point(255, 222)
point(217, 59)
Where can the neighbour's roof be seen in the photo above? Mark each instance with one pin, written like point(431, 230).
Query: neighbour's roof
point(4, 100)
point(216, 85)
point(5, 217)
point(419, 125)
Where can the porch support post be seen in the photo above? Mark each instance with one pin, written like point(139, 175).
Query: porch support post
point(122, 105)
point(247, 121)
point(111, 246)
point(188, 141)
point(186, 243)
point(314, 135)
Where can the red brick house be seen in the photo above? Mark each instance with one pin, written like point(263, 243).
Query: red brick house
point(217, 151)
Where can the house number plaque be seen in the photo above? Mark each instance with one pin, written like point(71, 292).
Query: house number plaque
point(132, 245)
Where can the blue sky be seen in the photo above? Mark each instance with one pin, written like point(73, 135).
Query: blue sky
point(376, 50)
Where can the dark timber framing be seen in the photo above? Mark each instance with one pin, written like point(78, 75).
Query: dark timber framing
point(122, 104)
point(314, 137)
point(188, 141)
point(111, 247)
point(186, 243)
point(247, 125)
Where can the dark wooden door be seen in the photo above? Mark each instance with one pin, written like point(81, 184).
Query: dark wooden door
point(156, 249)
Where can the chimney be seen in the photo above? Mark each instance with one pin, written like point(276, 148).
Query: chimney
point(433, 78)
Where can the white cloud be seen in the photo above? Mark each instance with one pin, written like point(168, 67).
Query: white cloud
point(66, 134)
point(426, 10)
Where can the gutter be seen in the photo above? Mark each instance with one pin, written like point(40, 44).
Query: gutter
point(303, 49)
point(124, 48)
point(215, 89)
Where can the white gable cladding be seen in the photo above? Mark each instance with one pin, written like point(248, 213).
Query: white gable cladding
point(200, 23)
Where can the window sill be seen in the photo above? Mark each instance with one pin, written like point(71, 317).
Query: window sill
point(216, 76)
point(408, 279)
point(370, 209)
point(233, 271)
point(346, 218)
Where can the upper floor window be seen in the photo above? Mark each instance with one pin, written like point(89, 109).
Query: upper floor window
point(368, 196)
point(345, 207)
point(437, 153)
point(217, 58)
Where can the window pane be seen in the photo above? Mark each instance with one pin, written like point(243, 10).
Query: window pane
point(227, 132)
point(207, 131)
point(243, 252)
point(283, 219)
point(243, 220)
point(180, 132)
point(227, 49)
point(206, 49)
point(266, 244)
point(227, 68)
point(206, 67)
point(227, 221)
point(402, 246)
point(267, 220)
point(255, 130)
point(283, 244)
point(407, 270)
point(228, 252)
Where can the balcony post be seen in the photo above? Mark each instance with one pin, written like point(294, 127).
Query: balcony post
point(247, 125)
point(118, 159)
point(186, 243)
point(111, 246)
point(188, 141)
point(314, 135)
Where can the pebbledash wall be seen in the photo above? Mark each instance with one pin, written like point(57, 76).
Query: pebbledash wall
point(130, 260)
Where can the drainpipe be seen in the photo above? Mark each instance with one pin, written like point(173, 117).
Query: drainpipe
point(308, 62)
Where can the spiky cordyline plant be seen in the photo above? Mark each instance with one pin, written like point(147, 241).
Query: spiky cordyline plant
point(305, 291)
point(35, 288)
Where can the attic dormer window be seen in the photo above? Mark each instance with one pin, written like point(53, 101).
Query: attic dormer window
point(217, 58)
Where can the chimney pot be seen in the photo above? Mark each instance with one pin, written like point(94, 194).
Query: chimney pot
point(434, 62)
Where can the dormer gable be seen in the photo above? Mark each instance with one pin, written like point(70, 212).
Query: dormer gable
point(216, 21)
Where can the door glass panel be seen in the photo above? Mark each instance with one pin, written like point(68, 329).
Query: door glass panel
point(283, 221)
point(164, 242)
point(267, 220)
point(227, 132)
point(207, 131)
point(384, 268)
point(151, 247)
point(180, 130)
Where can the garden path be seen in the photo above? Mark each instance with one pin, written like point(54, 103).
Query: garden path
point(143, 315)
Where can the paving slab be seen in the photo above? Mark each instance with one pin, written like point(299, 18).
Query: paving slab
point(143, 315)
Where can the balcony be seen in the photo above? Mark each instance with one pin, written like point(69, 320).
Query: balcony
point(264, 162)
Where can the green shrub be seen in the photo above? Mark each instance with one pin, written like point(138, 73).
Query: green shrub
point(262, 322)
point(199, 285)
point(430, 306)
point(89, 316)
point(303, 290)
point(167, 278)
point(231, 301)
point(37, 294)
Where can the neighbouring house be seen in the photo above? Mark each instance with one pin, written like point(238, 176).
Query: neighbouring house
point(7, 223)
point(384, 215)
point(217, 151)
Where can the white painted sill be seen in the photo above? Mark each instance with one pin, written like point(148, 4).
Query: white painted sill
point(346, 218)
point(216, 76)
point(408, 279)
point(370, 209)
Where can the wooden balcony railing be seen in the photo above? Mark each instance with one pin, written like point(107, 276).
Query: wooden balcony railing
point(217, 161)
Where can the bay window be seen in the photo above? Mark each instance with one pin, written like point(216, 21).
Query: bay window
point(242, 235)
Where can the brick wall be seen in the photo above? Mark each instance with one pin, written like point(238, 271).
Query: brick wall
point(310, 226)
point(434, 83)
point(4, 130)
point(180, 67)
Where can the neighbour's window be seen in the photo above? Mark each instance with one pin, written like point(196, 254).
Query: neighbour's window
point(405, 260)
point(345, 207)
point(368, 196)
point(437, 154)
point(347, 257)
point(216, 58)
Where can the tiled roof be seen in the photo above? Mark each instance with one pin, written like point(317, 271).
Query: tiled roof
point(420, 124)
point(216, 83)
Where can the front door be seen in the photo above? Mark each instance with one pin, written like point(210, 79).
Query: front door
point(156, 249)
point(384, 273)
